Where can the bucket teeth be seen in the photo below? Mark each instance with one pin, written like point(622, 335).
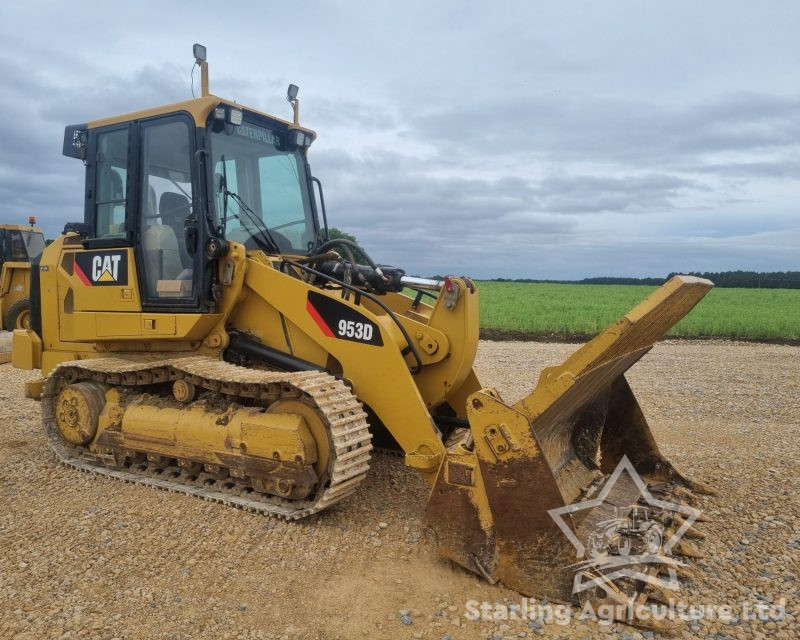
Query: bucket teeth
point(688, 549)
point(661, 594)
point(621, 609)
point(702, 487)
point(702, 517)
point(682, 495)
point(699, 515)
point(675, 521)
point(679, 496)
point(612, 593)
point(691, 531)
point(659, 514)
point(682, 570)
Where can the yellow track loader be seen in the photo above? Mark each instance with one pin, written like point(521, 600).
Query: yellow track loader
point(200, 332)
point(19, 244)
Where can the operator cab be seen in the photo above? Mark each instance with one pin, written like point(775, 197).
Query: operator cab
point(19, 243)
point(175, 182)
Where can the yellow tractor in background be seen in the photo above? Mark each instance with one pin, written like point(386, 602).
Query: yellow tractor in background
point(200, 332)
point(19, 245)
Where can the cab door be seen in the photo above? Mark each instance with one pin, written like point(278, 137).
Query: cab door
point(136, 276)
point(169, 267)
point(97, 285)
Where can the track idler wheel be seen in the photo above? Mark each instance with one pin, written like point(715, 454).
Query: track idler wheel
point(78, 409)
point(184, 391)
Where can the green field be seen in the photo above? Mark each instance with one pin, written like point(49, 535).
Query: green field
point(522, 310)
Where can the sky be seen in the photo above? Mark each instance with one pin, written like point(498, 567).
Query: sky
point(494, 139)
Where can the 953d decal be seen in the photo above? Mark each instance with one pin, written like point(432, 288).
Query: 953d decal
point(337, 320)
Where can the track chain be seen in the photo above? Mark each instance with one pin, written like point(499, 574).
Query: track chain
point(346, 421)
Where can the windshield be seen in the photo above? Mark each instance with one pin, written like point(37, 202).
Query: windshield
point(258, 185)
point(34, 243)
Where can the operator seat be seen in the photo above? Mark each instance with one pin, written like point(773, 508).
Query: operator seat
point(174, 208)
point(117, 195)
point(161, 242)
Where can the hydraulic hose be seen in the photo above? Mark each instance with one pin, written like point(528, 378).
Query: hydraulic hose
point(344, 242)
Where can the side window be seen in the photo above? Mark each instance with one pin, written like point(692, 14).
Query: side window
point(111, 183)
point(18, 253)
point(166, 202)
point(282, 199)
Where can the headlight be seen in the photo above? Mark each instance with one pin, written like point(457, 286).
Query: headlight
point(235, 116)
point(300, 139)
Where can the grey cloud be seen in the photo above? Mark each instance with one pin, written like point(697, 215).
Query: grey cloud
point(356, 115)
point(35, 177)
point(603, 129)
point(787, 169)
point(517, 141)
point(533, 256)
point(399, 185)
point(627, 194)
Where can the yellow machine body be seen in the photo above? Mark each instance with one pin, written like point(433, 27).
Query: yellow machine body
point(15, 274)
point(270, 386)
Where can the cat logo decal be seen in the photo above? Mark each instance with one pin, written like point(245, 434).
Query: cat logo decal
point(98, 268)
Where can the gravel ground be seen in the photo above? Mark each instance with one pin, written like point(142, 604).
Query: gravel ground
point(88, 557)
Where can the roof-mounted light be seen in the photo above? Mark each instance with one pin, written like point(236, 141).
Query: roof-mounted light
point(199, 52)
point(235, 116)
point(300, 139)
point(291, 97)
point(227, 114)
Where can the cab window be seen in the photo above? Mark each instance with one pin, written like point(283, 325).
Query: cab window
point(111, 183)
point(282, 199)
point(262, 195)
point(34, 243)
point(166, 203)
point(17, 252)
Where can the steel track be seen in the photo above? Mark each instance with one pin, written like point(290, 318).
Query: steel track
point(345, 420)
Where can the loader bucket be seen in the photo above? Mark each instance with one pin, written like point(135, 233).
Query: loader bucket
point(520, 489)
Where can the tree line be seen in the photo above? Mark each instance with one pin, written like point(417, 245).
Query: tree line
point(724, 279)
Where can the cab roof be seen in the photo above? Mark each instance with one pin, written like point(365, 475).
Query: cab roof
point(21, 227)
point(199, 108)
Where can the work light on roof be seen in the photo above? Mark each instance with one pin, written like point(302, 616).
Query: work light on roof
point(235, 116)
point(299, 138)
point(199, 52)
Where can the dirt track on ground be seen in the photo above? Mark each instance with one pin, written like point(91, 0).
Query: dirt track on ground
point(88, 557)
